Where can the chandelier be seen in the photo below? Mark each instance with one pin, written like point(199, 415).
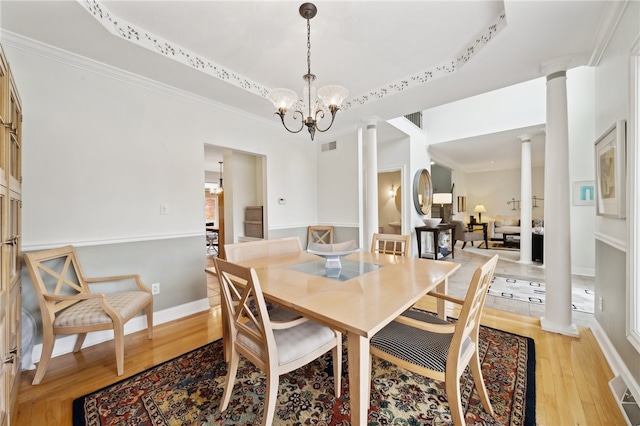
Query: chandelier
point(309, 108)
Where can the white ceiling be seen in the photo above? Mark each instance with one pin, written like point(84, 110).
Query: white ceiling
point(380, 50)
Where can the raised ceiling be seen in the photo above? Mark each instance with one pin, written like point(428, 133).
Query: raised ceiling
point(395, 57)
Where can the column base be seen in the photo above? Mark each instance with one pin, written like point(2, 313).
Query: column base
point(568, 330)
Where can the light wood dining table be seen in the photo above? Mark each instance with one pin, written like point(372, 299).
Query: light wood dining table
point(376, 290)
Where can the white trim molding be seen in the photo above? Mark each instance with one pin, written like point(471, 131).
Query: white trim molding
point(633, 206)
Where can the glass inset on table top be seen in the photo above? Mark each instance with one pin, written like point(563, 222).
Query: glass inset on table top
point(350, 269)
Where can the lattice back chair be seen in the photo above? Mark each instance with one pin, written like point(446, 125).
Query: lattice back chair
point(427, 345)
point(69, 307)
point(395, 244)
point(274, 345)
point(320, 235)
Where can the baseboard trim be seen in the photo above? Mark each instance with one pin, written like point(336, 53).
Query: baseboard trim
point(64, 345)
point(615, 361)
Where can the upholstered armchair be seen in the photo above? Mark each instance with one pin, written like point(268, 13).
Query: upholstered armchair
point(461, 233)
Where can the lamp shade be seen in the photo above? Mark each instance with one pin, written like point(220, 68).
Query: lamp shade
point(282, 99)
point(442, 198)
point(479, 208)
point(333, 95)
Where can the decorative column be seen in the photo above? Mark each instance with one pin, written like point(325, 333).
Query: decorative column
point(557, 229)
point(525, 199)
point(370, 182)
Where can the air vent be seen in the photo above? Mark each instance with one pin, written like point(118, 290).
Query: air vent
point(329, 146)
point(415, 118)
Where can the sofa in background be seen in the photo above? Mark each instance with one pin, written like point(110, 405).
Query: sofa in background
point(506, 223)
point(502, 224)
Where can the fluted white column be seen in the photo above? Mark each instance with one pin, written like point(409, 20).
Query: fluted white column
point(557, 231)
point(371, 182)
point(525, 199)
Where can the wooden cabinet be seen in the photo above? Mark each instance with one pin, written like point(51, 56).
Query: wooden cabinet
point(10, 239)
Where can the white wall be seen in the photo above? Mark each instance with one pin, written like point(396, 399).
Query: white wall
point(494, 189)
point(338, 183)
point(106, 148)
point(512, 107)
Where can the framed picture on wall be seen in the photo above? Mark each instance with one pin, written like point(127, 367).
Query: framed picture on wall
point(462, 204)
point(584, 193)
point(610, 155)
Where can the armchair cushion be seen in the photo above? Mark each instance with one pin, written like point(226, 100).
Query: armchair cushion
point(90, 312)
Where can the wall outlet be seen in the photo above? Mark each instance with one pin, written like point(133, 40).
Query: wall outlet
point(155, 288)
point(164, 208)
point(600, 303)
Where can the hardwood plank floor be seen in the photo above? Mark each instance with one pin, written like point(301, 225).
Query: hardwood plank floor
point(572, 374)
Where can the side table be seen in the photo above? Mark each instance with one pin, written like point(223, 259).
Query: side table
point(436, 232)
point(472, 226)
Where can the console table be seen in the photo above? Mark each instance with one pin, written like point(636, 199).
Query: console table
point(436, 232)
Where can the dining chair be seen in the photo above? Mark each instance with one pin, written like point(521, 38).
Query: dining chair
point(425, 344)
point(320, 234)
point(398, 245)
point(68, 306)
point(274, 344)
point(212, 243)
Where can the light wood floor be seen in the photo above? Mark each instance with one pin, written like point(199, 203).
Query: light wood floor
point(572, 374)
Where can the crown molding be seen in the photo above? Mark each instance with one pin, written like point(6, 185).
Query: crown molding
point(52, 53)
point(607, 25)
point(145, 39)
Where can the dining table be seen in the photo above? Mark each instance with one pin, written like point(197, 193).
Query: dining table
point(359, 299)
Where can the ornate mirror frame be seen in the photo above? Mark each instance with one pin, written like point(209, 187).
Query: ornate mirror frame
point(422, 191)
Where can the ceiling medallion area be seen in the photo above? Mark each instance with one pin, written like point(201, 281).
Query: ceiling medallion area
point(134, 34)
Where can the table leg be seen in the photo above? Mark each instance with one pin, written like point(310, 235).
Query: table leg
point(359, 377)
point(442, 304)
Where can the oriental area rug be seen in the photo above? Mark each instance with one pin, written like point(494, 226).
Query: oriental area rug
point(187, 391)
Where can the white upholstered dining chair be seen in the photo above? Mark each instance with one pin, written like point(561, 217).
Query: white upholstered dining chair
point(274, 344)
point(438, 349)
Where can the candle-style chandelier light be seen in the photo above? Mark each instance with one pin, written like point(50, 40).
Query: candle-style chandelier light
point(309, 108)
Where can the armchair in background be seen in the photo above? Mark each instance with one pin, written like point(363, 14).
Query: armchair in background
point(461, 233)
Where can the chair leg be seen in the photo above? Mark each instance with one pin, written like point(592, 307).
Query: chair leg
point(452, 387)
point(337, 367)
point(464, 243)
point(79, 341)
point(476, 371)
point(118, 334)
point(270, 398)
point(231, 378)
point(48, 341)
point(149, 312)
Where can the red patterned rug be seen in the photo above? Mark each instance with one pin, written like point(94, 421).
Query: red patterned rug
point(187, 391)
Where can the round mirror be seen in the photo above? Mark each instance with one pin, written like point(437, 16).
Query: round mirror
point(422, 191)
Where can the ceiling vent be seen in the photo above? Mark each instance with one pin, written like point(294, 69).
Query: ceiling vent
point(329, 146)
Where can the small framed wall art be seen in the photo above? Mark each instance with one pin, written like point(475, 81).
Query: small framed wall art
point(610, 155)
point(462, 204)
point(584, 193)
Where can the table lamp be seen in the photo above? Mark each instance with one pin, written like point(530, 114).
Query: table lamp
point(442, 198)
point(479, 209)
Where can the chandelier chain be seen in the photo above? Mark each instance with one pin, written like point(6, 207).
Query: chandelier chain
point(308, 46)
